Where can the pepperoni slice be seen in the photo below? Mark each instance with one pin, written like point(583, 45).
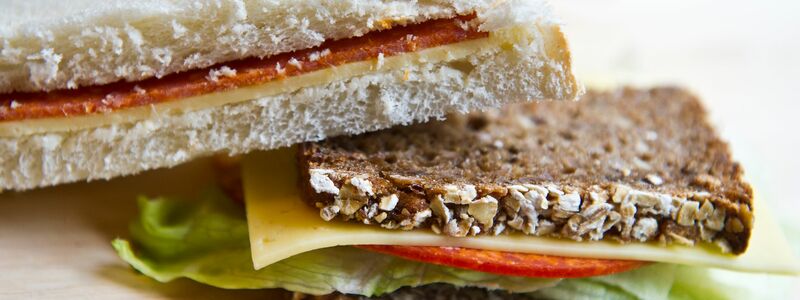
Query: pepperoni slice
point(249, 71)
point(509, 263)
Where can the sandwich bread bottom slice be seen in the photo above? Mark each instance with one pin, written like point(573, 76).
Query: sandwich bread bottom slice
point(627, 165)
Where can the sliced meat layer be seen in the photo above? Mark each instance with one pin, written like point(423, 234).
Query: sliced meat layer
point(509, 263)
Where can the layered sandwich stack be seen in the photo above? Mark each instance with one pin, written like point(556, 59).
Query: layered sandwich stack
point(406, 150)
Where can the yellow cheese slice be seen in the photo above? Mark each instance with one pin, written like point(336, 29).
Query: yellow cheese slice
point(282, 225)
point(447, 53)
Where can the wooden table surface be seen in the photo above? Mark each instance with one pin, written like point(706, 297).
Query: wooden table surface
point(55, 242)
point(741, 58)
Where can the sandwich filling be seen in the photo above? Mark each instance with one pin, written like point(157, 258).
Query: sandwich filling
point(637, 166)
point(446, 40)
point(281, 225)
point(509, 263)
point(207, 241)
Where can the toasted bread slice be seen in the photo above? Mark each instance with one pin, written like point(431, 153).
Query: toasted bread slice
point(629, 165)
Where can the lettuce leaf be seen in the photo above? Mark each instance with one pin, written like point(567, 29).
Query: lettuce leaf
point(207, 241)
point(657, 281)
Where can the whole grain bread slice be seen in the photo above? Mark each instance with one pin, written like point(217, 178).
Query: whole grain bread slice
point(629, 165)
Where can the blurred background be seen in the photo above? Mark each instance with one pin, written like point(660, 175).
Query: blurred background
point(741, 57)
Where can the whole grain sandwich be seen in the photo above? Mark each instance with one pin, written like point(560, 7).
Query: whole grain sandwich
point(625, 194)
point(97, 89)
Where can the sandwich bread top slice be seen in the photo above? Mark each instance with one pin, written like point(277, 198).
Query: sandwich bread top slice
point(631, 165)
point(99, 90)
point(50, 44)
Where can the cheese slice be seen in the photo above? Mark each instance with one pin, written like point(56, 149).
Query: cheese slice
point(281, 225)
point(497, 41)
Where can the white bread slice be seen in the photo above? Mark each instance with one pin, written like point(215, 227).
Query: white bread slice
point(536, 66)
point(55, 44)
point(538, 70)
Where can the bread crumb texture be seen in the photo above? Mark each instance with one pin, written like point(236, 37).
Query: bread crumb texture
point(628, 165)
point(49, 44)
point(377, 100)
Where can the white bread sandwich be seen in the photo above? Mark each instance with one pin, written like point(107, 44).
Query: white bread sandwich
point(97, 89)
point(625, 194)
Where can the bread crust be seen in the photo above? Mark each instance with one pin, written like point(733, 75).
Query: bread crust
point(431, 291)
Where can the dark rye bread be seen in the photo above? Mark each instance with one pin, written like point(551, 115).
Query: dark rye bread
point(630, 165)
point(436, 291)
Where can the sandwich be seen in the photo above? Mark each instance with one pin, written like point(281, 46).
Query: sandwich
point(386, 153)
point(94, 90)
point(625, 194)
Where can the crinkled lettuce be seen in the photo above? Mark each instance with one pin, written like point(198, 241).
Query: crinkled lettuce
point(657, 281)
point(207, 241)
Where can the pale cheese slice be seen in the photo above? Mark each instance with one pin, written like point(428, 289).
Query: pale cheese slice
point(281, 225)
point(441, 54)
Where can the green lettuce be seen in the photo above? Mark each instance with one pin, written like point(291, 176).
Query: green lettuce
point(207, 241)
point(657, 281)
